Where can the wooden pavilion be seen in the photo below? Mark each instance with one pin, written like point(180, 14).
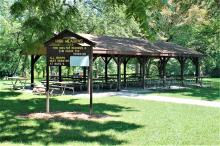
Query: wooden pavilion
point(122, 49)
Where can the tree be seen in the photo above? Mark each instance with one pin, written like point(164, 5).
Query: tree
point(9, 45)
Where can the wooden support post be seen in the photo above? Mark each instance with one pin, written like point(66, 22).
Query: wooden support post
point(182, 64)
point(118, 61)
point(125, 61)
point(141, 68)
point(94, 58)
point(118, 75)
point(159, 66)
point(196, 63)
point(143, 61)
point(165, 60)
point(32, 71)
point(197, 71)
point(182, 61)
point(143, 75)
point(47, 87)
point(182, 72)
point(162, 68)
point(106, 70)
point(125, 72)
point(84, 74)
point(106, 61)
point(60, 73)
point(90, 82)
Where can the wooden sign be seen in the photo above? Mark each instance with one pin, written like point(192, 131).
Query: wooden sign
point(68, 46)
point(58, 61)
point(60, 49)
point(68, 50)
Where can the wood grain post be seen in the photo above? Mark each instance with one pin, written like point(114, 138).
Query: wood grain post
point(118, 61)
point(84, 74)
point(32, 70)
point(125, 72)
point(143, 61)
point(125, 62)
point(90, 82)
point(47, 87)
point(162, 68)
point(106, 61)
point(106, 69)
point(60, 73)
point(196, 63)
point(182, 61)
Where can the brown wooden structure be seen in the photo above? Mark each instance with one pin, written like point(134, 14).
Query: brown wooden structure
point(122, 49)
point(59, 49)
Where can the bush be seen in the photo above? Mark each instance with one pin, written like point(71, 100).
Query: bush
point(215, 72)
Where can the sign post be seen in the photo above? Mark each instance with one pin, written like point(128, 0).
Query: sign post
point(90, 85)
point(69, 49)
point(47, 88)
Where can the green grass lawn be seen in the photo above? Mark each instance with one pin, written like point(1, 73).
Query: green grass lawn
point(133, 122)
point(205, 93)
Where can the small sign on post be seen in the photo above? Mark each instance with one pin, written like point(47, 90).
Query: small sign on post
point(79, 61)
point(69, 49)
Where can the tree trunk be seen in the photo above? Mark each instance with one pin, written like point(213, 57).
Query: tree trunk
point(43, 73)
point(23, 69)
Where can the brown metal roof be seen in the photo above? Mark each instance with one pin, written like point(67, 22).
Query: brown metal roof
point(174, 49)
point(132, 46)
point(107, 45)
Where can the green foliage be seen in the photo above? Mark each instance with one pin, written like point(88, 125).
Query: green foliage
point(144, 12)
point(40, 66)
point(9, 47)
point(26, 24)
point(193, 24)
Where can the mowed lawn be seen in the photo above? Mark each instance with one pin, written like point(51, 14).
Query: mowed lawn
point(132, 122)
point(210, 93)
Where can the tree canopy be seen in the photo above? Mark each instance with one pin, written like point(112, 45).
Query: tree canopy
point(26, 24)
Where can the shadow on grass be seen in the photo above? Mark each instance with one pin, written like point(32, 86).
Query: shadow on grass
point(19, 130)
point(8, 94)
point(200, 92)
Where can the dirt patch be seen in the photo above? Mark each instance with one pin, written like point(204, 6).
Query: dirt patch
point(64, 115)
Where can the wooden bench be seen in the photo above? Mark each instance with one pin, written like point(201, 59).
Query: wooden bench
point(60, 87)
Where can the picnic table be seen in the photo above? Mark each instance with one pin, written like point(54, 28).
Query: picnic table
point(59, 85)
point(39, 90)
point(16, 80)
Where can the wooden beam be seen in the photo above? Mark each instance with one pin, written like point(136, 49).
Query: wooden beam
point(143, 61)
point(106, 61)
point(118, 61)
point(106, 72)
point(47, 87)
point(125, 61)
point(94, 58)
point(60, 73)
point(90, 82)
point(195, 61)
point(36, 58)
point(182, 61)
point(162, 68)
point(84, 73)
point(32, 71)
